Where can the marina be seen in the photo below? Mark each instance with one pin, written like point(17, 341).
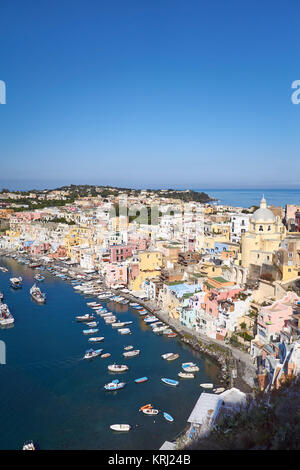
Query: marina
point(68, 390)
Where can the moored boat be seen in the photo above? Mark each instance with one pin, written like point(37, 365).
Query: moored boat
point(167, 355)
point(186, 375)
point(150, 411)
point(91, 353)
point(168, 417)
point(120, 427)
point(173, 357)
point(117, 368)
point(105, 355)
point(28, 445)
point(96, 339)
point(207, 385)
point(16, 282)
point(132, 353)
point(114, 385)
point(37, 295)
point(171, 382)
point(6, 317)
point(90, 331)
point(141, 380)
point(85, 318)
point(145, 407)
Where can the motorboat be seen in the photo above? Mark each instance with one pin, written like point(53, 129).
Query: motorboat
point(150, 319)
point(141, 380)
point(29, 445)
point(171, 382)
point(96, 339)
point(16, 282)
point(6, 317)
point(124, 331)
point(92, 323)
point(133, 353)
point(118, 324)
point(150, 411)
point(120, 427)
point(186, 375)
point(114, 385)
point(117, 368)
point(168, 417)
point(85, 318)
point(127, 348)
point(37, 295)
point(39, 278)
point(91, 353)
point(90, 331)
point(190, 367)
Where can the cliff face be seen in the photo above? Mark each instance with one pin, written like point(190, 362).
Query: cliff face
point(269, 422)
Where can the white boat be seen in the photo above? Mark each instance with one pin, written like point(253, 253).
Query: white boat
point(150, 411)
point(190, 367)
point(96, 339)
point(16, 282)
point(124, 331)
point(29, 445)
point(127, 348)
point(90, 354)
point(114, 385)
point(167, 355)
point(85, 318)
point(207, 385)
point(37, 295)
point(92, 323)
point(120, 427)
point(133, 353)
point(173, 357)
point(186, 375)
point(219, 390)
point(6, 317)
point(117, 368)
point(118, 324)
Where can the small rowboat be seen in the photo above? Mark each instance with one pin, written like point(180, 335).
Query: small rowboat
point(168, 417)
point(127, 348)
point(172, 335)
point(173, 357)
point(186, 375)
point(103, 356)
point(167, 355)
point(206, 385)
point(171, 382)
point(190, 367)
point(131, 353)
point(141, 380)
point(145, 407)
point(120, 427)
point(218, 390)
point(150, 411)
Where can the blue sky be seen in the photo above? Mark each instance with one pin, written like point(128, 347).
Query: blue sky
point(160, 93)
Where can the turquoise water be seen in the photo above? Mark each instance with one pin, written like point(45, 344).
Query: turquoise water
point(52, 396)
point(248, 197)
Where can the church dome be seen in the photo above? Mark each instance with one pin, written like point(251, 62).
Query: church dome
point(263, 214)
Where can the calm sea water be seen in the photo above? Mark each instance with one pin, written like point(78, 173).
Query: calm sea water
point(52, 396)
point(248, 197)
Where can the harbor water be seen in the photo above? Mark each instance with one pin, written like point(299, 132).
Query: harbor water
point(50, 395)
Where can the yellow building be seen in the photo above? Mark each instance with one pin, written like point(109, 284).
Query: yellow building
point(287, 258)
point(266, 231)
point(150, 263)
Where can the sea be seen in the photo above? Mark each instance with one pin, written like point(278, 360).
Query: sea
point(50, 395)
point(249, 197)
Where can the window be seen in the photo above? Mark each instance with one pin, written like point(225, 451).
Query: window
point(261, 229)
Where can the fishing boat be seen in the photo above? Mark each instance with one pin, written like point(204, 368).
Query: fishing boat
point(90, 331)
point(150, 411)
point(141, 380)
point(39, 278)
point(167, 355)
point(90, 353)
point(207, 385)
point(6, 317)
point(173, 357)
point(127, 348)
point(85, 318)
point(37, 295)
point(105, 355)
point(120, 427)
point(131, 353)
point(117, 368)
point(114, 385)
point(186, 375)
point(16, 282)
point(168, 417)
point(145, 407)
point(96, 339)
point(150, 319)
point(172, 335)
point(190, 367)
point(171, 382)
point(28, 445)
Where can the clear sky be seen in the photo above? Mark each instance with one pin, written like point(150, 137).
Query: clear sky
point(150, 93)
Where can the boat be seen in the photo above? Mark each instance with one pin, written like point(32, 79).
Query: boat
point(207, 385)
point(150, 319)
point(168, 417)
point(171, 382)
point(96, 339)
point(167, 331)
point(118, 324)
point(6, 317)
point(1, 296)
point(186, 375)
point(133, 353)
point(173, 357)
point(127, 348)
point(145, 407)
point(150, 411)
point(167, 355)
point(172, 335)
point(92, 323)
point(28, 445)
point(124, 331)
point(16, 282)
point(190, 367)
point(120, 427)
point(37, 295)
point(90, 354)
point(141, 380)
point(105, 355)
point(219, 390)
point(90, 331)
point(85, 318)
point(112, 386)
point(117, 368)
point(39, 278)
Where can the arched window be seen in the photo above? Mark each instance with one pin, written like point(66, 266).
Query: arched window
point(269, 228)
point(261, 229)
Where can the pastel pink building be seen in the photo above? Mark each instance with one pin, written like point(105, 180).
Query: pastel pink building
point(213, 299)
point(271, 319)
point(40, 249)
point(138, 242)
point(120, 252)
point(116, 274)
